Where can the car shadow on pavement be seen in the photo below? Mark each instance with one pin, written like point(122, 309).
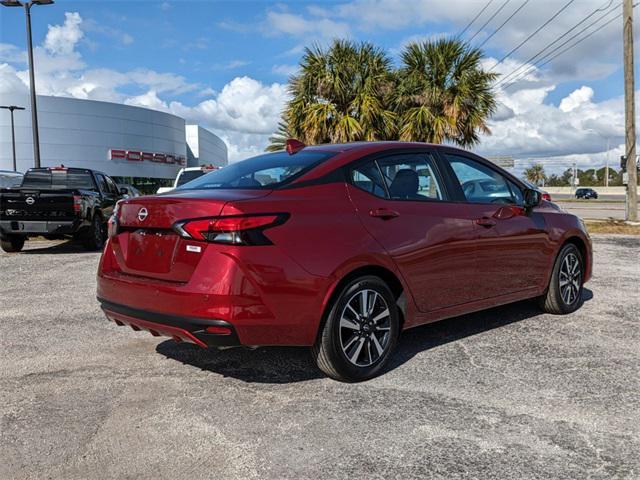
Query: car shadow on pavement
point(294, 364)
point(68, 246)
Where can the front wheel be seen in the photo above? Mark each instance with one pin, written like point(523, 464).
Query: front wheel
point(94, 237)
point(12, 243)
point(360, 331)
point(564, 294)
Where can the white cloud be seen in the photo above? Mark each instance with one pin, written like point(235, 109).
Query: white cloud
point(577, 98)
point(244, 105)
point(62, 39)
point(298, 26)
point(285, 70)
point(576, 131)
point(148, 100)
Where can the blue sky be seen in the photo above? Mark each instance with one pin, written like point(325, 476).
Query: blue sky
point(213, 60)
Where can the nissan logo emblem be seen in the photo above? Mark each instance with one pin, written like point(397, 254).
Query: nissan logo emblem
point(142, 214)
point(30, 201)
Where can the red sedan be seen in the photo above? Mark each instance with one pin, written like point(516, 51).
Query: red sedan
point(340, 248)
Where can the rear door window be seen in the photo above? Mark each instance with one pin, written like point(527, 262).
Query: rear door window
point(400, 177)
point(411, 177)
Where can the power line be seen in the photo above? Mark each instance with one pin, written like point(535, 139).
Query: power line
point(527, 64)
point(490, 18)
point(562, 51)
point(505, 22)
point(475, 18)
point(533, 34)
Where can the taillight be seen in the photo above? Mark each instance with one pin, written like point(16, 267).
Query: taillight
point(77, 203)
point(235, 230)
point(546, 196)
point(112, 223)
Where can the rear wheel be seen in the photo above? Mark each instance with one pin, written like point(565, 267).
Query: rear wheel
point(94, 237)
point(12, 243)
point(360, 331)
point(564, 294)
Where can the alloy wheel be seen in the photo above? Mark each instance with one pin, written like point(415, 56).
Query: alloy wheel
point(570, 279)
point(365, 325)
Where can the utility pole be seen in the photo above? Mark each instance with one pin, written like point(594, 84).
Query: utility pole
point(606, 167)
point(629, 109)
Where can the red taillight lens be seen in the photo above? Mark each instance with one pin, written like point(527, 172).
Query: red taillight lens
point(239, 230)
point(546, 196)
point(77, 203)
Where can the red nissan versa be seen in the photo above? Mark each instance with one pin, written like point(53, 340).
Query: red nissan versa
point(338, 247)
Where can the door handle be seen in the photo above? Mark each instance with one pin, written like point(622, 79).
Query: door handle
point(486, 222)
point(383, 213)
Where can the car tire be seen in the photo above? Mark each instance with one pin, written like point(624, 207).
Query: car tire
point(360, 331)
point(564, 293)
point(94, 236)
point(12, 243)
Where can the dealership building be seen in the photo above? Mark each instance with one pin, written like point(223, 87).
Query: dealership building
point(135, 145)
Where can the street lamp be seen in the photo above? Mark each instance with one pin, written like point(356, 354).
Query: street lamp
point(11, 108)
point(34, 111)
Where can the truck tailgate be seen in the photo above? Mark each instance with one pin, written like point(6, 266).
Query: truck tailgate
point(37, 205)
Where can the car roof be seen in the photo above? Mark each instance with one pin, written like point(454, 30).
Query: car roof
point(346, 152)
point(344, 147)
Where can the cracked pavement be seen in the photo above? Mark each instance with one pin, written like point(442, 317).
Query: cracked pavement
point(506, 393)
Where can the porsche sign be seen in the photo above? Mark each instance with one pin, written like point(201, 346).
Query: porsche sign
point(138, 156)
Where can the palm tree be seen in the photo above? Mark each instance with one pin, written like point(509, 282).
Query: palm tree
point(341, 95)
point(535, 174)
point(442, 93)
point(278, 141)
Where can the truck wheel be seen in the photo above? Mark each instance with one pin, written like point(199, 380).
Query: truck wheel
point(12, 243)
point(94, 237)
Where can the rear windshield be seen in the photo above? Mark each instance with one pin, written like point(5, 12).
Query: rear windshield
point(262, 172)
point(189, 175)
point(58, 179)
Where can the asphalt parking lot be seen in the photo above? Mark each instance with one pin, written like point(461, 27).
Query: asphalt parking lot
point(507, 393)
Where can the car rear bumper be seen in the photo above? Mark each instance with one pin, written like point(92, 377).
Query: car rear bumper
point(38, 227)
point(185, 329)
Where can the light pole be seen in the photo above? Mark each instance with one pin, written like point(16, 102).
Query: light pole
point(34, 111)
point(11, 108)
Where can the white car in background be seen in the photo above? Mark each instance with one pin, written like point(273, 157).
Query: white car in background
point(187, 174)
point(10, 179)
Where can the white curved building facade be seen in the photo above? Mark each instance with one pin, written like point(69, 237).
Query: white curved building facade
point(133, 144)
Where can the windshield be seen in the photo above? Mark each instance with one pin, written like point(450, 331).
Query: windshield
point(189, 175)
point(265, 171)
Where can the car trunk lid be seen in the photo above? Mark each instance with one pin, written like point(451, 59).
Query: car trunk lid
point(146, 244)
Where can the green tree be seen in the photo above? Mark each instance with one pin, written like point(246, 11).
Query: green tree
point(278, 141)
point(442, 93)
point(350, 92)
point(535, 174)
point(340, 95)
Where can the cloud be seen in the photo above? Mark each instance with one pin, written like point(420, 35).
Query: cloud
point(148, 100)
point(244, 105)
point(62, 39)
point(233, 64)
point(575, 131)
point(298, 26)
point(285, 70)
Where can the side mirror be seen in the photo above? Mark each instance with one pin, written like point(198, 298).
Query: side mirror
point(123, 191)
point(532, 198)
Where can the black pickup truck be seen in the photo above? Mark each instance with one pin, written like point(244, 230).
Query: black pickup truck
point(58, 202)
